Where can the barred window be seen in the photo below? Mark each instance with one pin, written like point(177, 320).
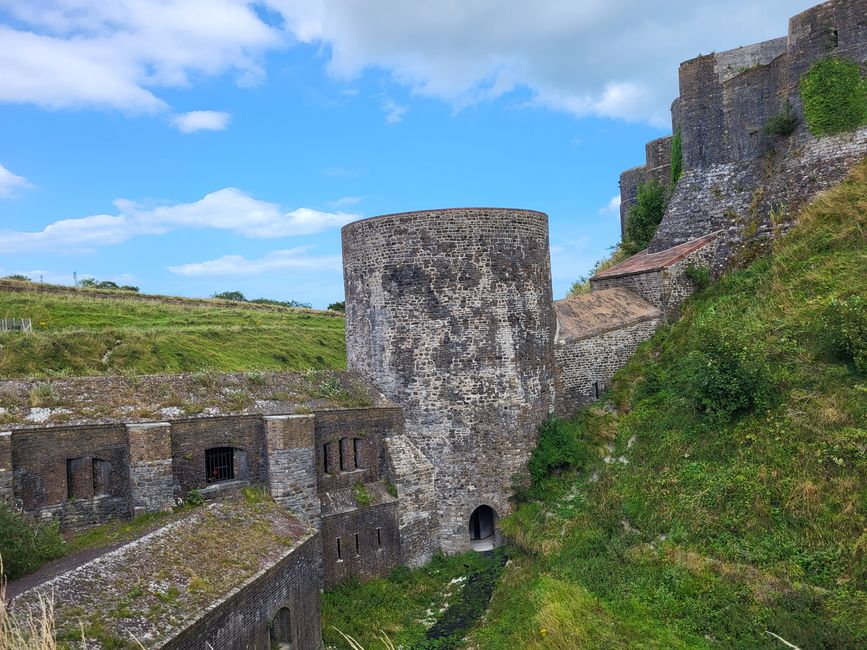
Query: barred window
point(219, 464)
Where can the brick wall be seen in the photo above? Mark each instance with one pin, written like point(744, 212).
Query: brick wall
point(378, 549)
point(190, 439)
point(242, 621)
point(292, 464)
point(6, 483)
point(355, 434)
point(78, 474)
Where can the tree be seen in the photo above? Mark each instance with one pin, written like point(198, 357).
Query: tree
point(645, 216)
point(237, 296)
point(338, 306)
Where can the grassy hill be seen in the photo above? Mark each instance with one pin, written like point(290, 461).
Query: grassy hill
point(717, 496)
point(78, 333)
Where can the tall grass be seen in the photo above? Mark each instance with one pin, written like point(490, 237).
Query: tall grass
point(32, 629)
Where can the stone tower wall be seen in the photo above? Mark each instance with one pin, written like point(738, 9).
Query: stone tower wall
point(450, 314)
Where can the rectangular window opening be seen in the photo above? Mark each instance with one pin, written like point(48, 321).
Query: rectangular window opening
point(379, 538)
point(101, 476)
point(326, 466)
point(356, 452)
point(357, 545)
point(595, 390)
point(219, 464)
point(343, 466)
point(339, 550)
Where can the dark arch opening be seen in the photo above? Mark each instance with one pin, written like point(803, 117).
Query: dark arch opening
point(281, 630)
point(483, 528)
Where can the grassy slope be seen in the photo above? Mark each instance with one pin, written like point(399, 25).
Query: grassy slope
point(74, 334)
point(716, 530)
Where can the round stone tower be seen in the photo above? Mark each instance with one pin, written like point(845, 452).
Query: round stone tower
point(450, 314)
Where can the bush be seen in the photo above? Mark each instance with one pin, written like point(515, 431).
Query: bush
point(558, 450)
point(17, 276)
point(236, 296)
point(338, 306)
point(698, 275)
point(676, 158)
point(26, 544)
point(783, 123)
point(844, 330)
point(724, 374)
point(195, 498)
point(834, 96)
point(644, 216)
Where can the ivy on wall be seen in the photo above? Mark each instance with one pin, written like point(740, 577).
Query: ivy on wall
point(645, 216)
point(676, 158)
point(834, 96)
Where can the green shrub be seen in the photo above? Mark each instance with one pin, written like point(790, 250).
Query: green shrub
point(195, 498)
point(724, 374)
point(338, 306)
point(699, 275)
point(26, 544)
point(558, 450)
point(844, 330)
point(783, 123)
point(676, 158)
point(362, 495)
point(834, 96)
point(644, 216)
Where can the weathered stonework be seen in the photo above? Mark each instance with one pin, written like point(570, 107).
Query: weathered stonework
point(292, 464)
point(6, 489)
point(414, 477)
point(450, 314)
point(150, 467)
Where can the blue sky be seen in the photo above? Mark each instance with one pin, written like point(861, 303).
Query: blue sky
point(191, 146)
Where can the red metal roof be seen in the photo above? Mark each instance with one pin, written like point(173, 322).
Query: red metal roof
point(643, 262)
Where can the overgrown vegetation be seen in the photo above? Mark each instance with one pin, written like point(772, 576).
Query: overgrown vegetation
point(644, 216)
point(834, 96)
point(698, 275)
point(722, 500)
point(26, 544)
point(676, 158)
point(76, 334)
point(237, 296)
point(784, 123)
point(93, 283)
point(418, 609)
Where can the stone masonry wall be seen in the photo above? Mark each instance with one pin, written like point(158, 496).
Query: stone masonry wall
point(647, 285)
point(413, 476)
point(450, 314)
point(292, 464)
point(587, 365)
point(242, 620)
point(6, 482)
point(150, 467)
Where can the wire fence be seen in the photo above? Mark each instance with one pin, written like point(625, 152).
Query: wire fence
point(23, 325)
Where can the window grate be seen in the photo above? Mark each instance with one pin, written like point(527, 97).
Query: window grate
point(220, 464)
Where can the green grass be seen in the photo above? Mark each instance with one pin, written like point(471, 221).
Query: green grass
point(82, 335)
point(726, 524)
point(733, 517)
point(403, 606)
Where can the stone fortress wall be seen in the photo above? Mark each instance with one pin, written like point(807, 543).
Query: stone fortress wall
point(449, 313)
point(736, 175)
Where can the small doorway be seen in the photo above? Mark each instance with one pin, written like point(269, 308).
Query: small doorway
point(483, 528)
point(281, 630)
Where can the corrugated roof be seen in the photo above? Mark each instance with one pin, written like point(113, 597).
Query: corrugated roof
point(643, 262)
point(596, 312)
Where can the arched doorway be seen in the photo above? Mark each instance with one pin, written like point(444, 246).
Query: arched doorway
point(483, 528)
point(281, 630)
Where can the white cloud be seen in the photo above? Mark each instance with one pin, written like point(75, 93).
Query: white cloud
point(11, 184)
point(612, 207)
point(394, 112)
point(200, 121)
point(238, 266)
point(593, 57)
point(226, 209)
point(73, 53)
